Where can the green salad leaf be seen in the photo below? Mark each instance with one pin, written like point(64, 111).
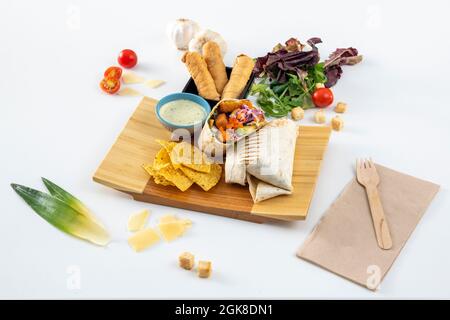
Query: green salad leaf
point(278, 98)
point(269, 101)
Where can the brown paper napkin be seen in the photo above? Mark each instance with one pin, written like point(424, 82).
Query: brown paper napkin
point(344, 240)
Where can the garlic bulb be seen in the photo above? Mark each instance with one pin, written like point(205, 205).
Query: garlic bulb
point(181, 31)
point(204, 36)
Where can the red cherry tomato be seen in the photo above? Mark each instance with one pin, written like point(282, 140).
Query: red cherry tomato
point(127, 58)
point(113, 72)
point(322, 97)
point(110, 85)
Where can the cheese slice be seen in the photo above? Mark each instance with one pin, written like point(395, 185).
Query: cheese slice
point(171, 230)
point(153, 84)
point(143, 239)
point(129, 92)
point(168, 218)
point(137, 221)
point(130, 77)
point(171, 227)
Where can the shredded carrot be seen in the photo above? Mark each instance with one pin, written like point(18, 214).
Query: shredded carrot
point(234, 123)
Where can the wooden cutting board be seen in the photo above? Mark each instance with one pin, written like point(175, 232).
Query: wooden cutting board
point(122, 170)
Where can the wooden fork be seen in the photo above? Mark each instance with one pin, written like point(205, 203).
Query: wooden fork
point(367, 175)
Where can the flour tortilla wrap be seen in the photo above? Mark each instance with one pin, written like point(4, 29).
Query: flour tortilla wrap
point(208, 140)
point(270, 153)
point(235, 167)
point(261, 191)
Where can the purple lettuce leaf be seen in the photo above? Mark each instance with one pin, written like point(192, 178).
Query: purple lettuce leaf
point(333, 74)
point(313, 41)
point(340, 57)
point(277, 64)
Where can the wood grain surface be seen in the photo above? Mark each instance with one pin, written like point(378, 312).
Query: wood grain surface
point(122, 170)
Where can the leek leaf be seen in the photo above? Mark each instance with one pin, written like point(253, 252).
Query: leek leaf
point(69, 199)
point(62, 216)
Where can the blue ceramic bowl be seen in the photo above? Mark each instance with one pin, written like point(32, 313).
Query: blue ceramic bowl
point(182, 96)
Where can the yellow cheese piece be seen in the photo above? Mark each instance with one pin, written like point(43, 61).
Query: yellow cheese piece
point(171, 230)
point(129, 92)
point(131, 77)
point(153, 84)
point(143, 239)
point(137, 221)
point(168, 218)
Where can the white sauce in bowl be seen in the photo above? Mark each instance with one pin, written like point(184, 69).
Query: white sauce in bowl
point(182, 112)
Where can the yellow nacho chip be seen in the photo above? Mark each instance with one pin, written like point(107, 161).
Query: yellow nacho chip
point(168, 145)
point(162, 181)
point(177, 177)
point(165, 169)
point(182, 164)
point(157, 178)
point(165, 174)
point(149, 169)
point(162, 160)
point(189, 156)
point(205, 180)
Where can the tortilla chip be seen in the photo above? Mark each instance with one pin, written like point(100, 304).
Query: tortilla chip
point(182, 164)
point(162, 181)
point(165, 174)
point(162, 160)
point(189, 156)
point(168, 145)
point(205, 180)
point(177, 177)
point(157, 178)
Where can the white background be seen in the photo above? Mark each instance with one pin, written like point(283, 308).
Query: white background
point(56, 123)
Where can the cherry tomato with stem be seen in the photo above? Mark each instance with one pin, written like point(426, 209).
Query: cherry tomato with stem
point(322, 97)
point(127, 58)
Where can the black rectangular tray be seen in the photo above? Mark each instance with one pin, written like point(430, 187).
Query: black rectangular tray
point(190, 87)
